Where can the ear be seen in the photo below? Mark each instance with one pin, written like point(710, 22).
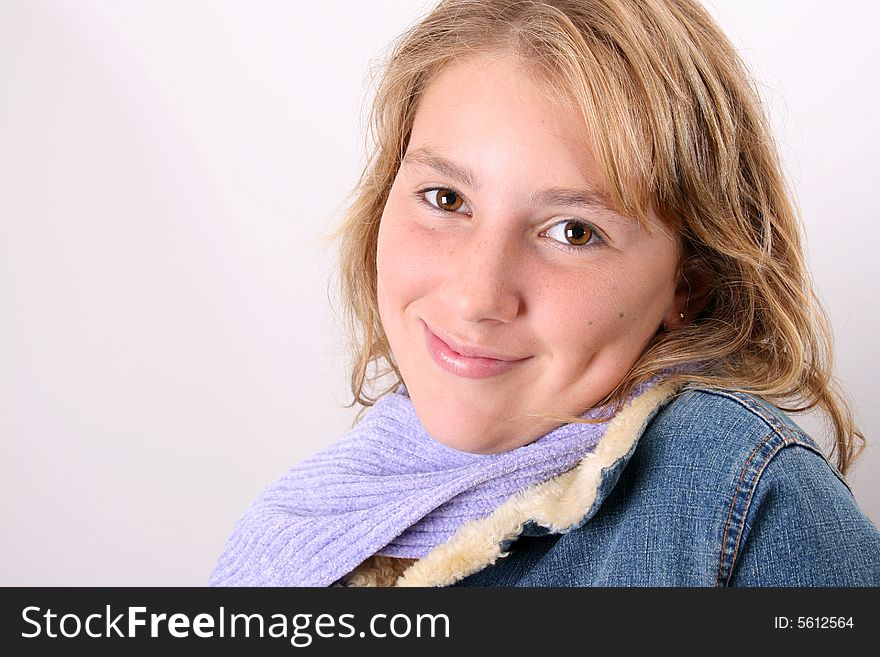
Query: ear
point(692, 293)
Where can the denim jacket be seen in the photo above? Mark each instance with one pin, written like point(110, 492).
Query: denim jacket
point(699, 488)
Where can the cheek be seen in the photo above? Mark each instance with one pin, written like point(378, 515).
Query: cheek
point(584, 313)
point(403, 265)
point(412, 256)
point(387, 274)
point(571, 305)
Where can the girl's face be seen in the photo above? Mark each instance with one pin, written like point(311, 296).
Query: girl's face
point(507, 286)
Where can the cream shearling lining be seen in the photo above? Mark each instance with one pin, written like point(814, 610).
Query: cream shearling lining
point(557, 504)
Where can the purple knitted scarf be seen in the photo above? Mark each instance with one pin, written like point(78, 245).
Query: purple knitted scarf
point(386, 488)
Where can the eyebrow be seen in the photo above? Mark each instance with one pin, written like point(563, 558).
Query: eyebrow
point(586, 198)
point(448, 168)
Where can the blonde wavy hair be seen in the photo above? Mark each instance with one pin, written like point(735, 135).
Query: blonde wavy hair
point(676, 126)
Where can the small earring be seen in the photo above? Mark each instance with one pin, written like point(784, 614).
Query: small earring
point(681, 315)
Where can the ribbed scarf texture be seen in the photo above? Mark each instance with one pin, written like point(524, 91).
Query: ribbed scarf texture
point(385, 488)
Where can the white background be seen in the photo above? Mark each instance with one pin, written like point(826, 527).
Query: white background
point(169, 173)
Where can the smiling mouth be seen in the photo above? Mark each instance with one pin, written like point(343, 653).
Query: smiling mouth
point(467, 361)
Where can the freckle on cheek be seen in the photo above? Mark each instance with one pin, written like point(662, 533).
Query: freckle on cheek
point(620, 315)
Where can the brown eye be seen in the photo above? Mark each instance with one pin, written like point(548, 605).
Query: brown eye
point(577, 234)
point(448, 200)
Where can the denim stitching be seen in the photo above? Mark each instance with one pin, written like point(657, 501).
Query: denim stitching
point(748, 501)
point(789, 435)
point(749, 404)
point(733, 502)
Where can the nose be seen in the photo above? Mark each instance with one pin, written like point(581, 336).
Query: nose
point(482, 281)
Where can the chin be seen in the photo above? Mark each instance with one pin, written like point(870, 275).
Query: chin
point(481, 435)
point(462, 437)
point(470, 418)
point(462, 433)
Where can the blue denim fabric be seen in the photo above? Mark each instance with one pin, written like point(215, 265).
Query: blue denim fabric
point(723, 489)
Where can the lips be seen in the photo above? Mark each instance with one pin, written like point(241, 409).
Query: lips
point(468, 361)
